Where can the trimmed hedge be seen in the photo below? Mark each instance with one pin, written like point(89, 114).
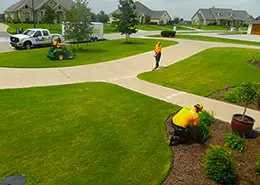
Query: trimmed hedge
point(168, 33)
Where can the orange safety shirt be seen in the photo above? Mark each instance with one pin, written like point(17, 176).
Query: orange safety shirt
point(158, 48)
point(186, 116)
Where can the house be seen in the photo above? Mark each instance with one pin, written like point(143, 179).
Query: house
point(158, 17)
point(254, 27)
point(221, 16)
point(23, 10)
point(2, 17)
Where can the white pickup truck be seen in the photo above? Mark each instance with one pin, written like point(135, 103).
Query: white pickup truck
point(33, 38)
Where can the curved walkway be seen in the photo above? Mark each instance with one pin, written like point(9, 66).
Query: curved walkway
point(123, 72)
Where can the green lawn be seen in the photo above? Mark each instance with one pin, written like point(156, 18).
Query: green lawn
point(211, 39)
point(208, 71)
point(102, 51)
point(109, 29)
point(83, 134)
point(202, 27)
point(56, 28)
point(159, 28)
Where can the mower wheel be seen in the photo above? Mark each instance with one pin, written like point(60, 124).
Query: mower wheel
point(60, 56)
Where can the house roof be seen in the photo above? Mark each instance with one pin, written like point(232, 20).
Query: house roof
point(258, 18)
point(38, 4)
point(142, 9)
point(255, 22)
point(223, 14)
point(207, 14)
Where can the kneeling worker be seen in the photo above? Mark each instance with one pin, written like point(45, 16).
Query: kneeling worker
point(181, 121)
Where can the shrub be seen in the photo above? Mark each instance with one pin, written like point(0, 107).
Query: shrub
point(219, 165)
point(235, 141)
point(258, 163)
point(168, 33)
point(203, 131)
point(233, 96)
point(206, 117)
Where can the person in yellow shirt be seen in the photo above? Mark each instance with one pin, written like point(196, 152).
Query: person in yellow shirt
point(56, 43)
point(181, 121)
point(157, 55)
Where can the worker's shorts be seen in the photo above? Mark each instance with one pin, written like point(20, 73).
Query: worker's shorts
point(182, 133)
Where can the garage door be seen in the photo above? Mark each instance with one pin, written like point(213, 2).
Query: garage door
point(256, 29)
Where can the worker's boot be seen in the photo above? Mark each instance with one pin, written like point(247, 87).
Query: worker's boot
point(174, 141)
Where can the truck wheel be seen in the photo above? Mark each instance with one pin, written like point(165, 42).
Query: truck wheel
point(27, 45)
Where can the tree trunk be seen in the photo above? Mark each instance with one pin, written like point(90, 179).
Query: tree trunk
point(244, 113)
point(126, 37)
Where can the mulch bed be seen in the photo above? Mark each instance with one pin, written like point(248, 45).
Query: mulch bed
point(222, 92)
point(255, 63)
point(188, 159)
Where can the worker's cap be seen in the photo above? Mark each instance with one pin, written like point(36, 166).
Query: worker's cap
point(199, 106)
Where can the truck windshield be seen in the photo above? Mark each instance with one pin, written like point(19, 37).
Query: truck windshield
point(29, 32)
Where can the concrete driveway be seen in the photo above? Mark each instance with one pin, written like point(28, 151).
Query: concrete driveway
point(4, 39)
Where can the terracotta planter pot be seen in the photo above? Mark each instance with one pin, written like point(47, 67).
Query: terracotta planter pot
point(242, 127)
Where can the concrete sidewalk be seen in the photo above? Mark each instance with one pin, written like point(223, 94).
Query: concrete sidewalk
point(123, 72)
point(221, 110)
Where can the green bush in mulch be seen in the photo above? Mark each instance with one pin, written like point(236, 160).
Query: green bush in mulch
point(235, 141)
point(219, 165)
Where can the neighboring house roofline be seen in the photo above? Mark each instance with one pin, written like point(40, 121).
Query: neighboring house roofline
point(142, 9)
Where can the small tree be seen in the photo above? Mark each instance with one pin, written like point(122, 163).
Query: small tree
point(93, 17)
point(102, 17)
point(176, 20)
point(78, 26)
point(147, 19)
point(49, 16)
point(248, 93)
point(126, 21)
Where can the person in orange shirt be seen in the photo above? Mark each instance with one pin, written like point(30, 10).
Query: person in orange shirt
point(157, 55)
point(181, 121)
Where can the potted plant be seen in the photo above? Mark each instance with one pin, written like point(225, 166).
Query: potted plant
point(241, 123)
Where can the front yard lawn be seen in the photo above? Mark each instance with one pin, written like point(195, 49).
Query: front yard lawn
point(209, 71)
point(159, 28)
point(102, 51)
point(202, 27)
point(211, 39)
point(55, 28)
point(91, 133)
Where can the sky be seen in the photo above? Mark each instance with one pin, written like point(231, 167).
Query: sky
point(181, 8)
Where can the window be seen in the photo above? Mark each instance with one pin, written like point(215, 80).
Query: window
point(26, 6)
point(45, 33)
point(38, 34)
point(29, 32)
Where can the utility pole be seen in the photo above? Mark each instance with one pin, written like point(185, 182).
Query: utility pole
point(33, 14)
